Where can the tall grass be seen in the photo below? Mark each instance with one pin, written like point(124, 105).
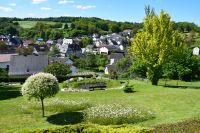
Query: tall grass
point(116, 114)
point(60, 105)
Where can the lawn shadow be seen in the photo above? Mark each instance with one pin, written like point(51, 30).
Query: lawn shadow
point(66, 118)
point(180, 87)
point(7, 87)
point(4, 95)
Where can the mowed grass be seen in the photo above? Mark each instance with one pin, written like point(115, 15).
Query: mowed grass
point(170, 105)
point(30, 24)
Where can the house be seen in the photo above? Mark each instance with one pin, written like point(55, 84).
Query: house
point(59, 41)
point(5, 60)
point(69, 62)
point(39, 49)
point(63, 46)
point(27, 65)
point(126, 33)
point(68, 47)
point(74, 49)
point(73, 69)
point(114, 57)
point(14, 41)
point(65, 60)
point(49, 43)
point(26, 43)
point(107, 49)
point(196, 51)
point(3, 38)
point(67, 41)
point(108, 69)
point(103, 50)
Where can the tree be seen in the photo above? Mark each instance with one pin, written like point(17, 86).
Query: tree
point(189, 39)
point(3, 73)
point(155, 43)
point(40, 86)
point(90, 60)
point(53, 51)
point(101, 60)
point(3, 46)
point(182, 66)
point(11, 30)
point(66, 26)
point(122, 67)
point(24, 50)
point(86, 41)
point(58, 69)
point(115, 28)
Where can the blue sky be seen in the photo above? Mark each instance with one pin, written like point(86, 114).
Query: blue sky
point(118, 10)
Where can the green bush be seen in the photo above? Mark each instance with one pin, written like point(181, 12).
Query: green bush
point(13, 79)
point(74, 85)
point(116, 114)
point(92, 128)
point(128, 88)
point(58, 69)
point(77, 84)
point(64, 84)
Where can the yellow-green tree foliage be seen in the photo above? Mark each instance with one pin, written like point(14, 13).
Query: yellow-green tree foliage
point(155, 43)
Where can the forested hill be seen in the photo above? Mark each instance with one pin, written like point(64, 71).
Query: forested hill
point(58, 27)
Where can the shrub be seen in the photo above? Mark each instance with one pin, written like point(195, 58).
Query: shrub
point(3, 73)
point(64, 84)
point(74, 85)
point(108, 83)
point(40, 86)
point(128, 88)
point(92, 128)
point(116, 114)
point(58, 69)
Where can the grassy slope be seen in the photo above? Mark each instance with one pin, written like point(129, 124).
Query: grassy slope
point(30, 24)
point(169, 104)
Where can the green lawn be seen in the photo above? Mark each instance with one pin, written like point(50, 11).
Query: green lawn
point(170, 105)
point(30, 24)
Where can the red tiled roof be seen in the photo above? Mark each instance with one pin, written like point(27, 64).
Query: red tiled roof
point(5, 57)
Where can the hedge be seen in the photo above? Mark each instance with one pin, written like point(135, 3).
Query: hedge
point(187, 126)
point(92, 128)
point(22, 79)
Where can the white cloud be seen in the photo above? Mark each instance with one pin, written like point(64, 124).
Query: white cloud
point(65, 2)
point(45, 8)
point(12, 4)
point(38, 1)
point(85, 7)
point(5, 9)
point(31, 14)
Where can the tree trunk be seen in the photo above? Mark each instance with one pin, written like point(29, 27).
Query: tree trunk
point(42, 107)
point(154, 81)
point(165, 82)
point(153, 75)
point(177, 83)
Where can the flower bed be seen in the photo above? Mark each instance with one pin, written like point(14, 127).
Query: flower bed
point(116, 114)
